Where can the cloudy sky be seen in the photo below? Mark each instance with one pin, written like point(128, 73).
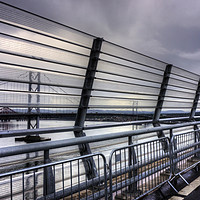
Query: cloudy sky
point(167, 30)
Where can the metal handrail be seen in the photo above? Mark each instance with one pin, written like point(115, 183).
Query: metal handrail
point(9, 151)
point(12, 133)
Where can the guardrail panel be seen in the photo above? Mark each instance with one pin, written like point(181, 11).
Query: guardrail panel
point(69, 176)
point(137, 169)
point(185, 148)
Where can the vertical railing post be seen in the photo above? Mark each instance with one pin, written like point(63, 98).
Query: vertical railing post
point(173, 156)
point(192, 114)
point(195, 101)
point(48, 177)
point(160, 102)
point(132, 174)
point(84, 103)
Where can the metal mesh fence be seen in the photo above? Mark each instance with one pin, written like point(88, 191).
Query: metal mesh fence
point(136, 169)
point(56, 180)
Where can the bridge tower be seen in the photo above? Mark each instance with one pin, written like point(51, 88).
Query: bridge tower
point(33, 111)
point(33, 123)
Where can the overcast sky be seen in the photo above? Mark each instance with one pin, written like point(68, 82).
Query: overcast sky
point(165, 29)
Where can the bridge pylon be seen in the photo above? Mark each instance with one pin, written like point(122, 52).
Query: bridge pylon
point(33, 121)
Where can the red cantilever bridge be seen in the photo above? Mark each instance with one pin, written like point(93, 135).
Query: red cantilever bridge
point(6, 110)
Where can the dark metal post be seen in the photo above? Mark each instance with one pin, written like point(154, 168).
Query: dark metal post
point(83, 105)
point(192, 114)
point(173, 143)
point(195, 102)
point(132, 156)
point(48, 177)
point(160, 102)
point(132, 160)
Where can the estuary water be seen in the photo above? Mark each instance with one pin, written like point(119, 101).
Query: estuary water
point(17, 125)
point(104, 147)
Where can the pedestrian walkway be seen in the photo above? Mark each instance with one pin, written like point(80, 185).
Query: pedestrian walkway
point(190, 192)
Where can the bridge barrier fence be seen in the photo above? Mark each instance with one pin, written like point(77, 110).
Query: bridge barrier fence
point(140, 168)
point(46, 146)
point(56, 180)
point(185, 152)
point(41, 58)
point(133, 171)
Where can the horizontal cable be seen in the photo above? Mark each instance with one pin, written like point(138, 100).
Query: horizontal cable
point(139, 107)
point(63, 25)
point(123, 92)
point(176, 101)
point(43, 34)
point(41, 69)
point(60, 85)
point(136, 99)
point(183, 81)
point(178, 97)
point(39, 93)
point(185, 71)
point(42, 44)
point(47, 70)
point(178, 86)
point(145, 94)
point(122, 98)
point(136, 52)
point(130, 67)
point(132, 61)
point(32, 105)
point(173, 90)
point(177, 108)
point(185, 77)
point(41, 83)
point(127, 83)
point(76, 95)
point(117, 107)
point(41, 59)
point(125, 76)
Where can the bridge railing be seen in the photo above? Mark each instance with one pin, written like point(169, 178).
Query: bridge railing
point(45, 67)
point(185, 147)
point(56, 180)
point(137, 169)
point(133, 171)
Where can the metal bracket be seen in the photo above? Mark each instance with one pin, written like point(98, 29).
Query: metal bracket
point(192, 114)
point(160, 102)
point(84, 149)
